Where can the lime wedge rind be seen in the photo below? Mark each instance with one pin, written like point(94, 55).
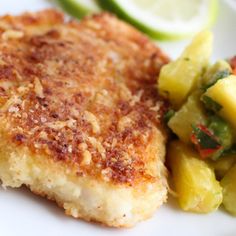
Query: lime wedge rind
point(79, 8)
point(214, 10)
point(154, 25)
point(154, 29)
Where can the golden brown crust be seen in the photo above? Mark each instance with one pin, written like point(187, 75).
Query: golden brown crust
point(46, 18)
point(82, 93)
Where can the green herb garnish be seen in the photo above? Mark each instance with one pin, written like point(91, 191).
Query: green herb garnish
point(168, 115)
point(210, 104)
point(217, 76)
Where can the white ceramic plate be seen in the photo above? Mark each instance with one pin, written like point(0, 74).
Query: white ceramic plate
point(232, 3)
point(24, 214)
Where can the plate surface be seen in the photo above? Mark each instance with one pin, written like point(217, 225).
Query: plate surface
point(22, 213)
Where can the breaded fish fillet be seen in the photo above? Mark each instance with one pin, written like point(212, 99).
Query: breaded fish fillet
point(80, 119)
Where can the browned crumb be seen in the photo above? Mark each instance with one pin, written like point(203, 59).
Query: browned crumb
point(81, 93)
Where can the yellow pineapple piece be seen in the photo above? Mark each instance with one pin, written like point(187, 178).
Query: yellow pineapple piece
point(179, 78)
point(191, 113)
point(222, 165)
point(194, 181)
point(229, 190)
point(224, 93)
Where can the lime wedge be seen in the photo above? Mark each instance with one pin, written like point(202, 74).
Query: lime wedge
point(79, 8)
point(166, 19)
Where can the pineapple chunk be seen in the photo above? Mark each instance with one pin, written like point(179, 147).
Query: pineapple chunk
point(216, 71)
point(179, 78)
point(224, 93)
point(229, 190)
point(191, 113)
point(222, 165)
point(194, 181)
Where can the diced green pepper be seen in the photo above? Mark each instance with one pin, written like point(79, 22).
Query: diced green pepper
point(219, 70)
point(207, 144)
point(221, 130)
point(210, 104)
point(168, 115)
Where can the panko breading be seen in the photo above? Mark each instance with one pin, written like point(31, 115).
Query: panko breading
point(80, 116)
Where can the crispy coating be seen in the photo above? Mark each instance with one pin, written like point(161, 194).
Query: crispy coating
point(83, 95)
point(81, 91)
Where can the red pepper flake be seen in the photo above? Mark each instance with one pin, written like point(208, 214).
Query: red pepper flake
point(206, 143)
point(233, 64)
